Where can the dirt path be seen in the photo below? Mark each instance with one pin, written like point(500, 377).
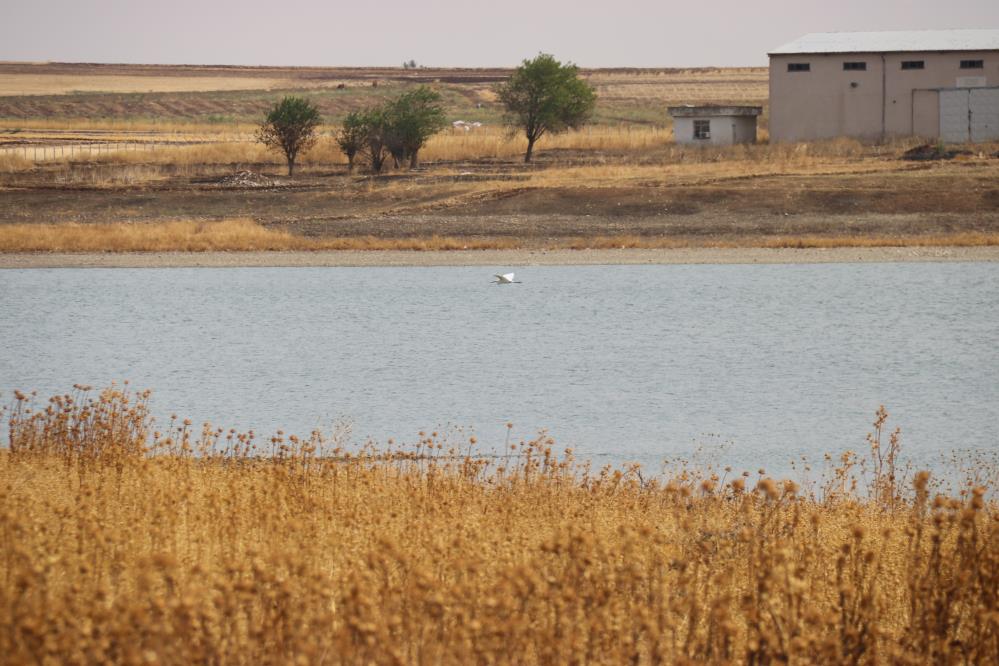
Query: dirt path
point(504, 257)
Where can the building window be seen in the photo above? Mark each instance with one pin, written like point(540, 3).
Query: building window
point(972, 64)
point(702, 129)
point(913, 64)
point(799, 67)
point(855, 66)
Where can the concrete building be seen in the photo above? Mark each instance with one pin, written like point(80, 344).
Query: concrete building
point(874, 85)
point(714, 125)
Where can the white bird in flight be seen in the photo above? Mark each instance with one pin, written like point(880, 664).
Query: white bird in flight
point(506, 278)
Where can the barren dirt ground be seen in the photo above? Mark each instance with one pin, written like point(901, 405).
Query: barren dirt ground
point(922, 200)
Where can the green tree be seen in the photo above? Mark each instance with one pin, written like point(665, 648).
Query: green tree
point(291, 126)
point(413, 118)
point(376, 124)
point(545, 96)
point(352, 137)
point(399, 128)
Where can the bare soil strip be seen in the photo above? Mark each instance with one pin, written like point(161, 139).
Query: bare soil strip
point(504, 257)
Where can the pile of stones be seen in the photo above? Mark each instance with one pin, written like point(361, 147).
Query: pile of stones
point(246, 179)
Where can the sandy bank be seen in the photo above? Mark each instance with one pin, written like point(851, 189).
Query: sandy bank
point(502, 257)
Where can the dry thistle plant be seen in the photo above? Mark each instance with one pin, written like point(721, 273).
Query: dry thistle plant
point(123, 544)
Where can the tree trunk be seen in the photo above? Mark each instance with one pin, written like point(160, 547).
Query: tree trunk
point(413, 161)
point(530, 149)
point(291, 167)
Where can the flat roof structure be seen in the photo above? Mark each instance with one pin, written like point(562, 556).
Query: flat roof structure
point(691, 111)
point(895, 41)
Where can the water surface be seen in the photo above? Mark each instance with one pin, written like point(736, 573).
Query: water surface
point(756, 364)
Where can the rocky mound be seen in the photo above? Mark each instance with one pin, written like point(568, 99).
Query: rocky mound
point(245, 179)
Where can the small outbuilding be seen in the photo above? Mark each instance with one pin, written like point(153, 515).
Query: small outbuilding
point(714, 125)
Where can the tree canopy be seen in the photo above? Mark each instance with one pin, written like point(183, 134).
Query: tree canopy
point(545, 96)
point(414, 117)
point(291, 127)
point(399, 128)
point(352, 137)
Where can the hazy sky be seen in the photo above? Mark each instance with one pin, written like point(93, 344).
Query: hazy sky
point(641, 33)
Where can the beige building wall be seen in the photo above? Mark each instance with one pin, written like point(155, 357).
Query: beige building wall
point(725, 130)
point(828, 101)
point(926, 113)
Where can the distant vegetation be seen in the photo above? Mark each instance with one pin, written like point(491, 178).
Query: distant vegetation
point(542, 96)
point(200, 545)
point(398, 128)
point(545, 96)
point(291, 126)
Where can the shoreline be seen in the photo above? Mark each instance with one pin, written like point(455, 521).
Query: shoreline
point(523, 257)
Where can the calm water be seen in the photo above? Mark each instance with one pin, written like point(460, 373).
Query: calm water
point(754, 364)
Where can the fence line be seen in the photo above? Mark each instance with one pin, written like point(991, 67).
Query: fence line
point(41, 152)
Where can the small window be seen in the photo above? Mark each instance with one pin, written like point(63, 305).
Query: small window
point(972, 64)
point(799, 67)
point(855, 66)
point(702, 129)
point(913, 64)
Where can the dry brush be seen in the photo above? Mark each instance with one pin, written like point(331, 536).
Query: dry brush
point(127, 545)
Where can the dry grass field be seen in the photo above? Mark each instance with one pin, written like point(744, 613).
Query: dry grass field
point(123, 157)
point(62, 84)
point(151, 95)
point(237, 235)
point(245, 235)
point(125, 545)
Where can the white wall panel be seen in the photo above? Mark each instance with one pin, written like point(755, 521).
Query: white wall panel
point(954, 107)
point(984, 104)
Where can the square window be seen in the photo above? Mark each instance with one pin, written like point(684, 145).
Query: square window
point(702, 129)
point(799, 67)
point(913, 64)
point(855, 66)
point(972, 64)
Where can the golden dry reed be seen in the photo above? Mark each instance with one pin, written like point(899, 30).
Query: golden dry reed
point(175, 235)
point(235, 235)
point(245, 235)
point(125, 545)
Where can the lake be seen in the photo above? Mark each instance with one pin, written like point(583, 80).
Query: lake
point(751, 365)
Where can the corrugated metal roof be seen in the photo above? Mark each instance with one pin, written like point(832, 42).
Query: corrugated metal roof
point(893, 42)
